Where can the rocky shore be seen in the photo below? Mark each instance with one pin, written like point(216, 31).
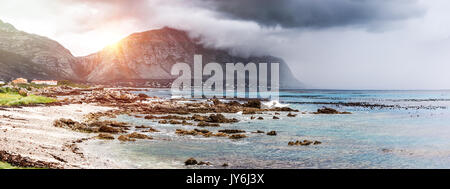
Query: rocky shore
point(49, 135)
point(29, 138)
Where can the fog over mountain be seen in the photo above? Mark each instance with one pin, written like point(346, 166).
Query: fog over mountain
point(338, 44)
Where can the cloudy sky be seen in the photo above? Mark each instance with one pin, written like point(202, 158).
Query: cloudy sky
point(338, 44)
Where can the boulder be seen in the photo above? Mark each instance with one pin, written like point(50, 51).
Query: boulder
point(238, 136)
point(105, 136)
point(329, 111)
point(125, 138)
point(205, 124)
point(291, 115)
point(191, 161)
point(138, 136)
point(231, 131)
point(303, 143)
point(108, 129)
point(253, 104)
point(259, 132)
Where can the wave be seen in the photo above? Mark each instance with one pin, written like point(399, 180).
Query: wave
point(274, 104)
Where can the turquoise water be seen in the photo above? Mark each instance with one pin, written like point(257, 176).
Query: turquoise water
point(413, 131)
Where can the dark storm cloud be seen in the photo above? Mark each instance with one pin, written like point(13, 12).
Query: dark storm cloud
point(315, 13)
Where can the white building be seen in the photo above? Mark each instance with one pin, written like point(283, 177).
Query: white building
point(45, 82)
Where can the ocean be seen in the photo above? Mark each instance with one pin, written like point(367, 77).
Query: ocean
point(387, 129)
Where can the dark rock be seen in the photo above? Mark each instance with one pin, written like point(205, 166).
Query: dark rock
point(142, 127)
point(125, 138)
point(204, 131)
point(231, 131)
point(219, 118)
point(138, 136)
point(205, 124)
point(259, 132)
point(175, 122)
point(149, 117)
point(108, 129)
point(191, 161)
point(329, 111)
point(283, 109)
point(238, 136)
point(105, 136)
point(247, 111)
point(184, 132)
point(204, 163)
point(303, 143)
point(20, 161)
point(216, 101)
point(292, 115)
point(272, 133)
point(163, 122)
point(151, 130)
point(253, 104)
point(143, 96)
point(108, 123)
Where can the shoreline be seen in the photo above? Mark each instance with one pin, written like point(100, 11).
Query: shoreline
point(29, 138)
point(65, 134)
point(49, 135)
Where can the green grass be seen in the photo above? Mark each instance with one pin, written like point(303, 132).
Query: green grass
point(4, 165)
point(14, 99)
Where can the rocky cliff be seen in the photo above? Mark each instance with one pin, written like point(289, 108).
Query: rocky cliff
point(151, 54)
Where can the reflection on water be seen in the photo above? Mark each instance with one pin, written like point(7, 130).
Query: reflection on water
point(369, 138)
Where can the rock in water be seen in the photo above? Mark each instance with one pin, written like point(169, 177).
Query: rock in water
point(105, 136)
point(190, 161)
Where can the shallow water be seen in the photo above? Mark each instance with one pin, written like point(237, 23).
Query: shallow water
point(413, 134)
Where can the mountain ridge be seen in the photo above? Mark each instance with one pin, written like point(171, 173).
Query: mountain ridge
point(46, 54)
point(147, 55)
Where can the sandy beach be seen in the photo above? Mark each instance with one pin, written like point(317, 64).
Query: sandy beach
point(29, 132)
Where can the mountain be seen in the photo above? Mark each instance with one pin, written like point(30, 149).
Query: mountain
point(32, 56)
point(141, 56)
point(151, 54)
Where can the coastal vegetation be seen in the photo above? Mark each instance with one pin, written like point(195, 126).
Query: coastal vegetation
point(4, 165)
point(16, 97)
